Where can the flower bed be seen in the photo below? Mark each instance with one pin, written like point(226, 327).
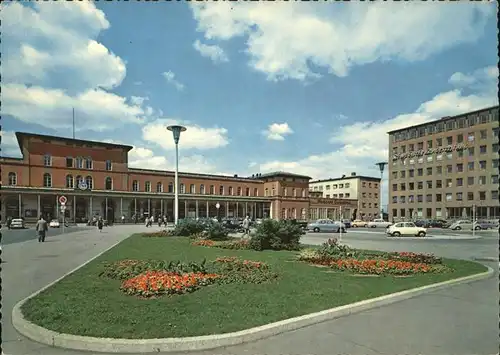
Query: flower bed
point(126, 269)
point(234, 270)
point(414, 257)
point(241, 244)
point(158, 283)
point(159, 234)
point(203, 243)
point(380, 266)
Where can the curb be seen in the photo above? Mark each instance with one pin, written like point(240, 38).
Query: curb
point(435, 238)
point(206, 342)
point(485, 258)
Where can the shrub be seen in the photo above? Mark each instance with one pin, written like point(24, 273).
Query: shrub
point(415, 257)
point(188, 227)
point(334, 250)
point(157, 283)
point(125, 269)
point(276, 235)
point(198, 236)
point(234, 270)
point(159, 234)
point(216, 231)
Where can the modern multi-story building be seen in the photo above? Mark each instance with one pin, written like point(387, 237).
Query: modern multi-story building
point(96, 180)
point(445, 168)
point(365, 190)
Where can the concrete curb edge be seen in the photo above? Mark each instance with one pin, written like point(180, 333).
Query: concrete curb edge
point(206, 342)
point(435, 238)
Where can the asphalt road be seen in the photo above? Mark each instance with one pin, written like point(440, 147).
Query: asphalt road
point(22, 235)
point(462, 320)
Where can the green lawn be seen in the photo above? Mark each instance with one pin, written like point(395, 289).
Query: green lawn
point(85, 304)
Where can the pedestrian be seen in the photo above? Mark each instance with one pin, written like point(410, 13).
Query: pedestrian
point(41, 228)
point(123, 219)
point(100, 224)
point(246, 225)
point(9, 222)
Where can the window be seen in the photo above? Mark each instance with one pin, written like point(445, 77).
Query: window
point(460, 153)
point(459, 196)
point(88, 163)
point(449, 140)
point(420, 160)
point(411, 172)
point(449, 169)
point(135, 185)
point(481, 180)
point(221, 190)
point(420, 198)
point(471, 151)
point(470, 196)
point(428, 198)
point(470, 137)
point(460, 182)
point(69, 182)
point(494, 163)
point(420, 172)
point(494, 179)
point(12, 179)
point(496, 130)
point(439, 157)
point(449, 183)
point(109, 166)
point(79, 180)
point(449, 156)
point(79, 163)
point(69, 162)
point(394, 187)
point(266, 192)
point(341, 186)
point(47, 180)
point(90, 182)
point(429, 184)
point(482, 165)
point(460, 168)
point(230, 190)
point(182, 189)
point(108, 183)
point(420, 145)
point(239, 191)
point(202, 189)
point(402, 187)
point(347, 185)
point(460, 138)
point(482, 195)
point(482, 149)
point(420, 185)
point(192, 189)
point(470, 166)
point(439, 197)
point(411, 199)
point(494, 195)
point(171, 187)
point(402, 199)
point(47, 161)
point(411, 147)
point(429, 171)
point(256, 192)
point(429, 144)
point(448, 196)
point(439, 184)
point(439, 170)
point(430, 158)
point(159, 187)
point(247, 191)
point(483, 134)
point(470, 181)
point(212, 190)
point(147, 186)
point(439, 142)
point(494, 148)
point(394, 200)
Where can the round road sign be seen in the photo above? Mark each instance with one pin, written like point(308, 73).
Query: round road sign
point(63, 200)
point(217, 205)
point(82, 185)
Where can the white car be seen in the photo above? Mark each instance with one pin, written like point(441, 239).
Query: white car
point(462, 224)
point(54, 224)
point(406, 228)
point(378, 223)
point(17, 223)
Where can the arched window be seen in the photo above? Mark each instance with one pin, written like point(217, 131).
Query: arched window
point(192, 189)
point(12, 179)
point(88, 163)
point(79, 163)
point(47, 180)
point(182, 189)
point(47, 160)
point(212, 190)
point(221, 190)
point(294, 192)
point(108, 183)
point(247, 191)
point(266, 192)
point(202, 189)
point(90, 182)
point(239, 191)
point(147, 186)
point(230, 191)
point(79, 180)
point(70, 183)
point(159, 187)
point(256, 192)
point(135, 185)
point(170, 187)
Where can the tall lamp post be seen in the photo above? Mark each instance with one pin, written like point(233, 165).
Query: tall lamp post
point(381, 166)
point(176, 130)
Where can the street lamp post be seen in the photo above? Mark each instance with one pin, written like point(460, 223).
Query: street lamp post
point(381, 166)
point(176, 130)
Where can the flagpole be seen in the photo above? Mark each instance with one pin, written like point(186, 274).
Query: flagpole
point(73, 123)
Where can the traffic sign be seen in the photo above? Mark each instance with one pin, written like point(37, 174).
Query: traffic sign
point(217, 205)
point(63, 200)
point(63, 208)
point(82, 185)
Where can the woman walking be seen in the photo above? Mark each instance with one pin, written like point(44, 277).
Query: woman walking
point(100, 224)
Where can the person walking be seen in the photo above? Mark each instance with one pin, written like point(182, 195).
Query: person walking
point(100, 224)
point(246, 225)
point(41, 228)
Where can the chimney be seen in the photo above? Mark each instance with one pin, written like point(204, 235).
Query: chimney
point(353, 174)
point(253, 175)
point(235, 175)
point(343, 176)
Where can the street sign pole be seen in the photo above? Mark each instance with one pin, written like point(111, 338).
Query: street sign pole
point(473, 220)
point(217, 205)
point(63, 210)
point(340, 237)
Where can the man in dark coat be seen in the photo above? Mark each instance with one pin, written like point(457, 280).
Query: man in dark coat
point(41, 227)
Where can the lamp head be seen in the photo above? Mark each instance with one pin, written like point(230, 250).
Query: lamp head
point(176, 130)
point(381, 166)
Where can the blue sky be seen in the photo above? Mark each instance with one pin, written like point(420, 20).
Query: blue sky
point(306, 88)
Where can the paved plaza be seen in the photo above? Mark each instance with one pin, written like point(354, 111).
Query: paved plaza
point(459, 320)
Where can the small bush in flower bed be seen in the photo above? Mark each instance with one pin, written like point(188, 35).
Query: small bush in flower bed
point(276, 235)
point(159, 234)
point(160, 282)
point(203, 243)
point(188, 227)
point(234, 270)
point(333, 249)
point(125, 269)
point(414, 257)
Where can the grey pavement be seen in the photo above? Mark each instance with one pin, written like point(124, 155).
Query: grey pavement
point(460, 320)
point(21, 235)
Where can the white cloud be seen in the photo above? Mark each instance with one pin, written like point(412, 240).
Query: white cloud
point(214, 52)
point(277, 131)
point(477, 79)
point(170, 77)
point(362, 144)
point(9, 145)
point(287, 40)
point(138, 100)
point(195, 137)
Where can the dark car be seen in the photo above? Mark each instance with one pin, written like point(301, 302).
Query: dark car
point(438, 223)
point(421, 223)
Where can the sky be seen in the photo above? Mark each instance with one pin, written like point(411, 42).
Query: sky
point(308, 88)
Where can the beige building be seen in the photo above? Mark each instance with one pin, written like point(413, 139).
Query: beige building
point(443, 168)
point(365, 190)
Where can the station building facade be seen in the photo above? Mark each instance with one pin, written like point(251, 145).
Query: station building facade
point(97, 181)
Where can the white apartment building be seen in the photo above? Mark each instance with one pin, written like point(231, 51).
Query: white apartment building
point(364, 189)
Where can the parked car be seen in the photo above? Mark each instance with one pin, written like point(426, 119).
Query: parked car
point(406, 228)
point(421, 223)
point(326, 225)
point(431, 223)
point(378, 223)
point(17, 223)
point(359, 223)
point(462, 224)
point(54, 224)
point(483, 224)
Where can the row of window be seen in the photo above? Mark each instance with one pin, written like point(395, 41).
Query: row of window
point(346, 195)
point(459, 196)
point(438, 184)
point(471, 137)
point(448, 125)
point(451, 212)
point(439, 157)
point(78, 162)
point(192, 189)
point(342, 186)
point(459, 168)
